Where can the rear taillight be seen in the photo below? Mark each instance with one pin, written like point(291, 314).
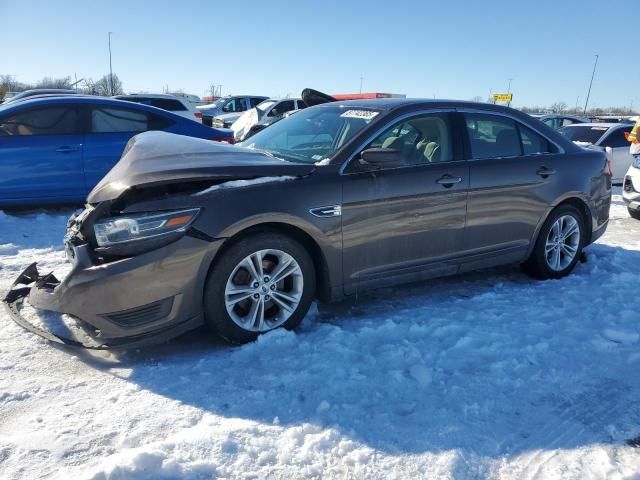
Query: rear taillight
point(198, 115)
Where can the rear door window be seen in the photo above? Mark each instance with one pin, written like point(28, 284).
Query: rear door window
point(533, 143)
point(114, 119)
point(234, 105)
point(492, 136)
point(62, 120)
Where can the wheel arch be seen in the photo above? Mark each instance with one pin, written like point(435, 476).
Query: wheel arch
point(292, 230)
point(578, 201)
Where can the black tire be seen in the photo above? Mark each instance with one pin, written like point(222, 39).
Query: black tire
point(215, 312)
point(634, 213)
point(537, 265)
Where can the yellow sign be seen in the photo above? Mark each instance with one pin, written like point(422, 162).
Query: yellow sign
point(502, 97)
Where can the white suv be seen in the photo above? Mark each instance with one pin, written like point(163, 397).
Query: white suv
point(631, 188)
point(177, 105)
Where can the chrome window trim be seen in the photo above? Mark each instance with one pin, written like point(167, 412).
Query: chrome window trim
point(389, 124)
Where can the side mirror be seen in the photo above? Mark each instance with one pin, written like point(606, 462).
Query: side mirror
point(609, 150)
point(381, 158)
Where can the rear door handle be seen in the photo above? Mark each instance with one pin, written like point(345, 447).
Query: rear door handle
point(66, 149)
point(544, 172)
point(448, 181)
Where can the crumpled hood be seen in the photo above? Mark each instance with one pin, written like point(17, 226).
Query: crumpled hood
point(154, 158)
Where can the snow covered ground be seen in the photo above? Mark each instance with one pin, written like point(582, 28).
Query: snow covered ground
point(488, 375)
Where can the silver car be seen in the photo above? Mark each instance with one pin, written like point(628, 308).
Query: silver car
point(236, 104)
point(607, 137)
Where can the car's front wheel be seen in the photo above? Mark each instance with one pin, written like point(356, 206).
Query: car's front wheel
point(262, 282)
point(559, 244)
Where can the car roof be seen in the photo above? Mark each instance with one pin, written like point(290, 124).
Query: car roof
point(152, 95)
point(598, 124)
point(389, 104)
point(49, 90)
point(75, 99)
point(562, 115)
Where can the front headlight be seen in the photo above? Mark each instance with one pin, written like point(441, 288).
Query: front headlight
point(130, 228)
point(636, 161)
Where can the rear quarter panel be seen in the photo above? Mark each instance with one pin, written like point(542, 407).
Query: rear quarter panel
point(583, 175)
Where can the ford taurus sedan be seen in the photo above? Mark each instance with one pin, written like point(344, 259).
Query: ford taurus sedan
point(337, 199)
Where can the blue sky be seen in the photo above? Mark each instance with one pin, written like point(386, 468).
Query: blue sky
point(446, 49)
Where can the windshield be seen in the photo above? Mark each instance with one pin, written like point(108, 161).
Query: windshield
point(313, 134)
point(584, 133)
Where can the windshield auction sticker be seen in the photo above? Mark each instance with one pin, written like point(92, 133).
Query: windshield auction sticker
point(362, 114)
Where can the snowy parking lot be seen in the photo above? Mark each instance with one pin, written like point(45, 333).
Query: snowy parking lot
point(486, 375)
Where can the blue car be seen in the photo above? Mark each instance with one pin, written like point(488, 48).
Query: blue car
point(56, 149)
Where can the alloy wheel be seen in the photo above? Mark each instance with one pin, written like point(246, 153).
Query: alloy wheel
point(263, 290)
point(563, 241)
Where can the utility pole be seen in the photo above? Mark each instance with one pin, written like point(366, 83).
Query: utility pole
point(509, 91)
point(110, 68)
point(590, 84)
point(361, 83)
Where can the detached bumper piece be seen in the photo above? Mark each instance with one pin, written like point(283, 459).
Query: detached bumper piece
point(21, 288)
point(30, 278)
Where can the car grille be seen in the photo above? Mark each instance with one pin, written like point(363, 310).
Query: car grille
point(148, 313)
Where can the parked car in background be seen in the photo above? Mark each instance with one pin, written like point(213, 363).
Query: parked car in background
point(608, 137)
point(265, 114)
point(179, 105)
point(557, 121)
point(39, 91)
point(334, 200)
point(55, 149)
point(236, 104)
point(631, 189)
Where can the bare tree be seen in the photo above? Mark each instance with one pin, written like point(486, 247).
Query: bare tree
point(12, 85)
point(477, 99)
point(49, 82)
point(105, 87)
point(558, 107)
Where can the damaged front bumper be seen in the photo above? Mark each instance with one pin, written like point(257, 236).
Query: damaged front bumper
point(126, 303)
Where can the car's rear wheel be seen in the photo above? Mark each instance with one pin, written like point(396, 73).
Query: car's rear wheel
point(559, 244)
point(262, 282)
point(634, 213)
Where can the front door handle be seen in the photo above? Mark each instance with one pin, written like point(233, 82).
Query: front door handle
point(544, 172)
point(66, 149)
point(448, 181)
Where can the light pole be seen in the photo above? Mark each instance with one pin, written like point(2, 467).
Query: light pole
point(360, 83)
point(110, 68)
point(590, 84)
point(509, 91)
